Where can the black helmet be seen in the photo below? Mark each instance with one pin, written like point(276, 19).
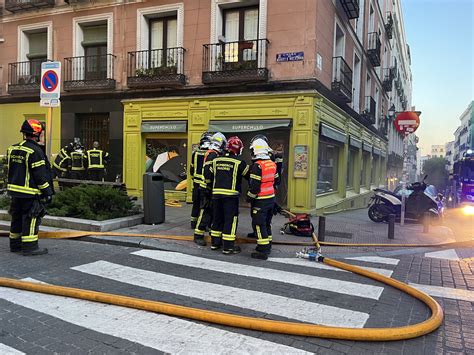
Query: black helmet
point(205, 140)
point(32, 127)
point(259, 136)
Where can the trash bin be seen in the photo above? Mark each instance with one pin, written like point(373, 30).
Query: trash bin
point(153, 198)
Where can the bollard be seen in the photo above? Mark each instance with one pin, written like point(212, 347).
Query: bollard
point(391, 226)
point(322, 228)
point(426, 222)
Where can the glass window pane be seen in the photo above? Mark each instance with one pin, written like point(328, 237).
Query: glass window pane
point(156, 30)
point(172, 38)
point(251, 24)
point(231, 29)
point(328, 157)
point(350, 168)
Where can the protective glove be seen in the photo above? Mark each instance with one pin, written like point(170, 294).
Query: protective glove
point(249, 199)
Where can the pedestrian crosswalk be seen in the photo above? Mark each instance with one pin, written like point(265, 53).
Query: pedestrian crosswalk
point(294, 294)
point(7, 350)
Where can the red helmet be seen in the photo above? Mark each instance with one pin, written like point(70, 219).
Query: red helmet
point(32, 127)
point(235, 145)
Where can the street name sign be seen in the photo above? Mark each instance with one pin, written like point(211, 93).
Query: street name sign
point(50, 91)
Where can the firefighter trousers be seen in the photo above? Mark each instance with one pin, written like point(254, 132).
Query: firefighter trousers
point(26, 216)
point(205, 214)
point(262, 214)
point(96, 174)
point(196, 203)
point(225, 221)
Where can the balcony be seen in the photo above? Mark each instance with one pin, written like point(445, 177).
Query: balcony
point(389, 25)
point(25, 77)
point(387, 79)
point(89, 73)
point(373, 49)
point(156, 68)
point(231, 62)
point(25, 5)
point(369, 109)
point(351, 8)
point(342, 79)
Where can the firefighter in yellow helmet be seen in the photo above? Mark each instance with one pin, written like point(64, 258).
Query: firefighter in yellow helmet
point(30, 187)
point(96, 162)
point(261, 195)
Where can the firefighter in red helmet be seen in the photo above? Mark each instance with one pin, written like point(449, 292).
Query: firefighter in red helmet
point(30, 187)
point(225, 177)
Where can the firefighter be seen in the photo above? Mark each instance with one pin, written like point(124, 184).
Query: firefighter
point(96, 162)
point(30, 186)
point(261, 195)
point(197, 174)
point(78, 163)
point(62, 162)
point(225, 174)
point(216, 148)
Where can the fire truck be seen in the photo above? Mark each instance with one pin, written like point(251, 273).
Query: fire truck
point(463, 172)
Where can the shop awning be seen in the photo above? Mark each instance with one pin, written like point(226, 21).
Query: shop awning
point(333, 133)
point(247, 125)
point(367, 147)
point(164, 126)
point(354, 142)
point(377, 151)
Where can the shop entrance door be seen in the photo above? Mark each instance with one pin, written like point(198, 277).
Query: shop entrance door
point(167, 154)
point(279, 140)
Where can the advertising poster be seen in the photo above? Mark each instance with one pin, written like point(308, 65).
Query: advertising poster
point(301, 161)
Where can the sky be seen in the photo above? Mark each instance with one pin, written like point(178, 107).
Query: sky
point(440, 35)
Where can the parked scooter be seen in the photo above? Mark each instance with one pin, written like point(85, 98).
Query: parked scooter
point(420, 199)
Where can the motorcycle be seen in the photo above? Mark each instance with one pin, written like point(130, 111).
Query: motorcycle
point(420, 198)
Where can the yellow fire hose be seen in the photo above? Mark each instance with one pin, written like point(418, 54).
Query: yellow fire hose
point(263, 325)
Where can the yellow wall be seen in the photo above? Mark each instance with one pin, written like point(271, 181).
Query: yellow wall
point(306, 110)
point(13, 115)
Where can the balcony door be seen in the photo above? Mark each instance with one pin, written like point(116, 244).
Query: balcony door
point(240, 29)
point(95, 62)
point(163, 42)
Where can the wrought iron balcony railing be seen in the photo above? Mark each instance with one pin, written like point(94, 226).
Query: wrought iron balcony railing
point(25, 77)
point(89, 72)
point(156, 68)
point(25, 5)
point(369, 109)
point(389, 25)
point(373, 48)
point(341, 79)
point(351, 8)
point(241, 61)
point(387, 79)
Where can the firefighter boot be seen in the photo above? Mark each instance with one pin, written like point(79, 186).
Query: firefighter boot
point(32, 249)
point(234, 250)
point(200, 241)
point(15, 245)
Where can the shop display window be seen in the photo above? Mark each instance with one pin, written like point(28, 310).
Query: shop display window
point(328, 160)
point(350, 168)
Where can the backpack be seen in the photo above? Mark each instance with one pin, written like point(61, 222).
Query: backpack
point(299, 225)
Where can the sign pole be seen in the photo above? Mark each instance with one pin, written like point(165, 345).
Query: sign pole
point(49, 131)
point(404, 182)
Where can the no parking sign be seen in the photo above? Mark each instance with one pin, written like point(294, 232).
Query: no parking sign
point(50, 84)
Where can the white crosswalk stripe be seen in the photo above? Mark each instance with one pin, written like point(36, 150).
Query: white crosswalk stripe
point(316, 265)
point(375, 259)
point(254, 300)
point(6, 350)
point(310, 281)
point(145, 328)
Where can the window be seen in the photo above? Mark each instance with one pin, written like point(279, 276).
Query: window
point(240, 25)
point(373, 171)
point(356, 84)
point(328, 159)
point(95, 51)
point(339, 39)
point(351, 159)
point(163, 40)
point(365, 167)
point(368, 86)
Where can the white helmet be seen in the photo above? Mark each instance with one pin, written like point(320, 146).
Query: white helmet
point(218, 142)
point(260, 149)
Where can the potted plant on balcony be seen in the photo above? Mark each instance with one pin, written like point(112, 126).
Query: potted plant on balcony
point(240, 65)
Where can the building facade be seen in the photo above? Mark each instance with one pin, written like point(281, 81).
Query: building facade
point(438, 151)
point(144, 76)
point(464, 134)
point(449, 149)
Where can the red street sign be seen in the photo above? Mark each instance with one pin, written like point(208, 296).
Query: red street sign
point(407, 122)
point(50, 81)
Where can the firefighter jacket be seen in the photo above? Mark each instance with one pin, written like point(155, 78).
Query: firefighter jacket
point(197, 166)
point(96, 159)
point(226, 174)
point(62, 161)
point(78, 160)
point(263, 175)
point(210, 155)
point(28, 174)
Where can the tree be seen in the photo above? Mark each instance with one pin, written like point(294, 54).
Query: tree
point(438, 176)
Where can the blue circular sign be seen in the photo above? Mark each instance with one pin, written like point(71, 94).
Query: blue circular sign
point(50, 81)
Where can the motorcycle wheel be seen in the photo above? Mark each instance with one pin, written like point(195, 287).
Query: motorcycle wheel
point(375, 214)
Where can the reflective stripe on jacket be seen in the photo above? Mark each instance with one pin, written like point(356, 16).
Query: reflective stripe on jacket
point(96, 158)
point(197, 166)
point(77, 161)
point(226, 174)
